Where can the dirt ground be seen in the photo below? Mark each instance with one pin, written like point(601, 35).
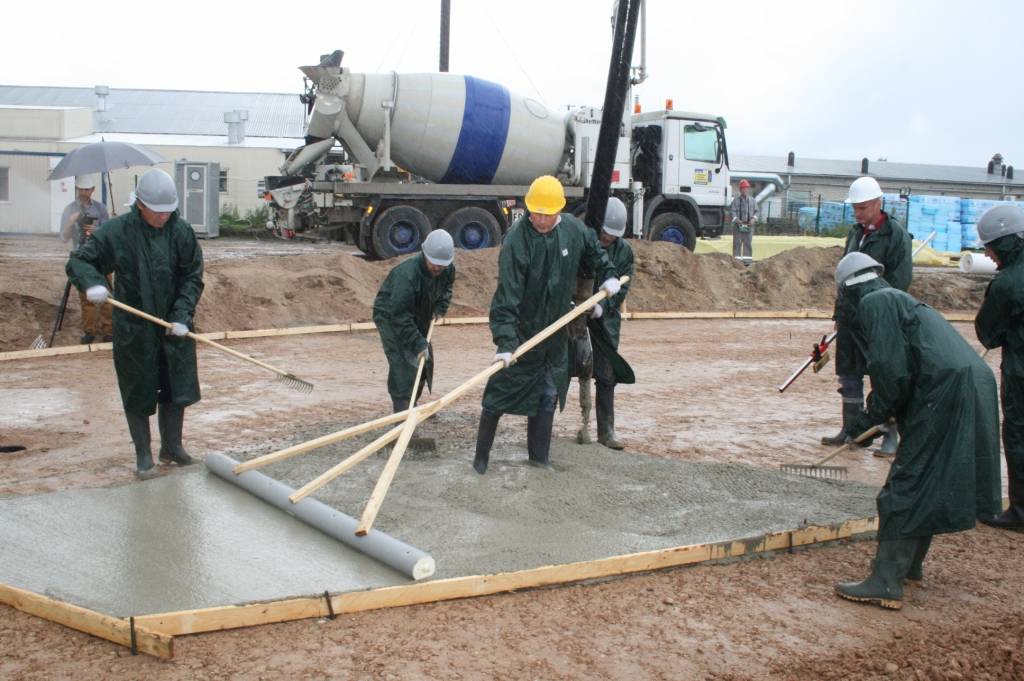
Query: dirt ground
point(705, 392)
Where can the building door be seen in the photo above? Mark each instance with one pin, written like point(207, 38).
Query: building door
point(195, 195)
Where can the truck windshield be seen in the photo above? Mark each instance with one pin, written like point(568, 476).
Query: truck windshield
point(700, 143)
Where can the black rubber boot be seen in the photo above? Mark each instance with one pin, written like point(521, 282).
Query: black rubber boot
point(850, 412)
point(138, 427)
point(915, 575)
point(605, 406)
point(1013, 517)
point(885, 585)
point(538, 437)
point(485, 439)
point(171, 419)
point(890, 441)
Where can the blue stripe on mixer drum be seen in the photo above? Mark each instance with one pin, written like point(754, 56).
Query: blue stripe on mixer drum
point(483, 134)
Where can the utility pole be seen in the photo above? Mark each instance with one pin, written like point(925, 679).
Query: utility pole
point(446, 21)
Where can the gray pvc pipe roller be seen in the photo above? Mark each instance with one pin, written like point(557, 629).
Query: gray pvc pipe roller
point(397, 554)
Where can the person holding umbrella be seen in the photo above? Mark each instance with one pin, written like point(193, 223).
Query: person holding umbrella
point(159, 269)
point(81, 217)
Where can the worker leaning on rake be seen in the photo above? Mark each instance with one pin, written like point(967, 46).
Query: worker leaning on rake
point(416, 291)
point(945, 473)
point(158, 267)
point(540, 257)
point(887, 242)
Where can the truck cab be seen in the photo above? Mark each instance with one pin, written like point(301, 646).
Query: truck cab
point(682, 160)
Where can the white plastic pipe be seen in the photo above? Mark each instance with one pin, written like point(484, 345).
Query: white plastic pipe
point(408, 560)
point(977, 263)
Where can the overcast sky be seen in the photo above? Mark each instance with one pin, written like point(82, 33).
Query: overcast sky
point(913, 81)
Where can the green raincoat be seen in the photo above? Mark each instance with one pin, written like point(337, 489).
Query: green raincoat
point(159, 271)
point(405, 304)
point(891, 246)
point(536, 278)
point(1000, 324)
point(943, 397)
point(604, 332)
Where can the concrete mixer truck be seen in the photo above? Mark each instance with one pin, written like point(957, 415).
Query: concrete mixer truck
point(444, 151)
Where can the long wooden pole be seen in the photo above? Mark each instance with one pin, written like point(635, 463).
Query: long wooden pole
point(376, 499)
point(196, 337)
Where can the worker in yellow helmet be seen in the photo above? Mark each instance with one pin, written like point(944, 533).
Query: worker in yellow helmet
point(537, 266)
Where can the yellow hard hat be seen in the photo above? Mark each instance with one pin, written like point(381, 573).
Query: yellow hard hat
point(545, 196)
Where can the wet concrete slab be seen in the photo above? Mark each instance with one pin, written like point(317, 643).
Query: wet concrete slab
point(189, 540)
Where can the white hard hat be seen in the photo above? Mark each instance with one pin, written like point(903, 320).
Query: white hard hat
point(999, 221)
point(864, 189)
point(856, 268)
point(131, 200)
point(615, 217)
point(438, 248)
point(85, 182)
point(156, 189)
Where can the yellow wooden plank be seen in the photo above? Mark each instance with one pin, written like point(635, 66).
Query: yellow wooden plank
point(231, 617)
point(456, 321)
point(363, 326)
point(114, 629)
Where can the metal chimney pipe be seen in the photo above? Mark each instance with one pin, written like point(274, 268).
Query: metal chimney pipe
point(101, 97)
point(234, 123)
point(243, 116)
point(863, 166)
point(791, 160)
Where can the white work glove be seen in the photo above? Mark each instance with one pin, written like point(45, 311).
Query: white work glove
point(424, 355)
point(177, 329)
point(97, 294)
point(505, 358)
point(612, 286)
point(596, 311)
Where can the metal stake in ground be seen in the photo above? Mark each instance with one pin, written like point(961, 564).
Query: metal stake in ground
point(290, 380)
point(819, 470)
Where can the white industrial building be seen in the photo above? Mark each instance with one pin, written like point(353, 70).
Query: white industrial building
point(247, 134)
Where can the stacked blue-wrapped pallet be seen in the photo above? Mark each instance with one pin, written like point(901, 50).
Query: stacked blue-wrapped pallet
point(895, 207)
point(939, 214)
point(971, 211)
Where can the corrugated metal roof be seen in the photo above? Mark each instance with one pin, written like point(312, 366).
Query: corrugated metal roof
point(173, 112)
point(883, 170)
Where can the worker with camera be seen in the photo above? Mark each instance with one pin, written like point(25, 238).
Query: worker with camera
point(80, 218)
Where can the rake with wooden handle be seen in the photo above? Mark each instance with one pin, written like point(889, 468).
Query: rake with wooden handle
point(290, 380)
point(820, 470)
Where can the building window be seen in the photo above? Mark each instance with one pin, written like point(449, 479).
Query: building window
point(223, 181)
point(5, 185)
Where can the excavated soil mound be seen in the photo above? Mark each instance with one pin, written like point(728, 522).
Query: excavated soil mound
point(264, 290)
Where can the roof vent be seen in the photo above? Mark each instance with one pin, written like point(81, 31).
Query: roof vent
point(236, 125)
point(863, 166)
point(791, 160)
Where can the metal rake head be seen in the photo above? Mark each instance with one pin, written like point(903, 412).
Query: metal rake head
point(39, 343)
point(295, 383)
point(812, 471)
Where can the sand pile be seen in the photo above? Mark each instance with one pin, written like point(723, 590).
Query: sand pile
point(266, 290)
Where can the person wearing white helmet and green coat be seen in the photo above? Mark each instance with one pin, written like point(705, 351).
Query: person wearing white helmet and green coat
point(879, 236)
point(1000, 324)
point(158, 268)
point(942, 395)
point(415, 291)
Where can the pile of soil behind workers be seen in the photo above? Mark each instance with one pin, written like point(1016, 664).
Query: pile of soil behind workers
point(263, 290)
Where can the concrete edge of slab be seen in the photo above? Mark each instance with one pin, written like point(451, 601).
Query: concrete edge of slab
point(237, 616)
point(124, 632)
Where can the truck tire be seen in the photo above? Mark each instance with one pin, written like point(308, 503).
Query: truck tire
point(473, 227)
point(673, 227)
point(399, 230)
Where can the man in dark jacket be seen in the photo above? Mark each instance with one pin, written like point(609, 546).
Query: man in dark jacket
point(158, 267)
point(606, 315)
point(416, 291)
point(1000, 324)
point(888, 242)
point(945, 473)
point(540, 257)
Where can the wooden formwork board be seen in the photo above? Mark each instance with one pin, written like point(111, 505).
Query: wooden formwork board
point(115, 629)
point(233, 617)
point(455, 321)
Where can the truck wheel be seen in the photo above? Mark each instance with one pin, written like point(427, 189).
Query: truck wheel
point(473, 227)
point(675, 228)
point(399, 230)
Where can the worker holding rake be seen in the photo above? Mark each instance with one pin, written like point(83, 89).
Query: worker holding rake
point(416, 291)
point(158, 267)
point(945, 474)
point(537, 267)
